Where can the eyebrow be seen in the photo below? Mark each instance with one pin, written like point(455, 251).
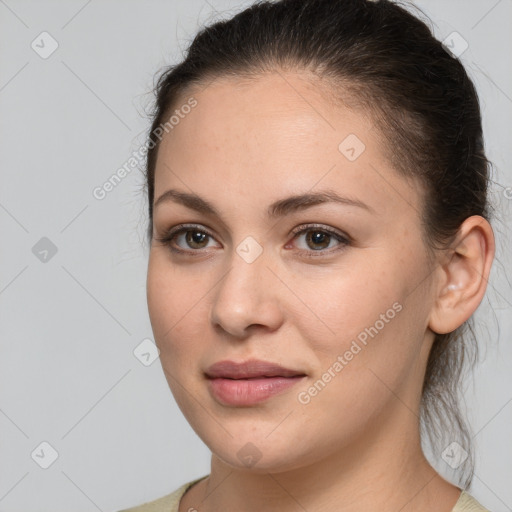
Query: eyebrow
point(279, 208)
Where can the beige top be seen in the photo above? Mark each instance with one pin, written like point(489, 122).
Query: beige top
point(170, 502)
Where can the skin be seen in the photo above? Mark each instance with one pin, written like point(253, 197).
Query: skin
point(355, 446)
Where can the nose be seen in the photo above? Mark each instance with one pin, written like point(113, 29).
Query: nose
point(247, 298)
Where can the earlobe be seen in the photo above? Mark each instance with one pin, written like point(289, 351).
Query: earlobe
point(464, 275)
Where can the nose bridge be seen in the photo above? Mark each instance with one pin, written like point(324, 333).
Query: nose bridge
point(245, 296)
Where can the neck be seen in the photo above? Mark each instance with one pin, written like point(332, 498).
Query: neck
point(384, 469)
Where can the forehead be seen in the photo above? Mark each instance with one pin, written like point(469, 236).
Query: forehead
point(264, 103)
point(275, 134)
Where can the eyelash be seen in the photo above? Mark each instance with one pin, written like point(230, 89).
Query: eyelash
point(344, 240)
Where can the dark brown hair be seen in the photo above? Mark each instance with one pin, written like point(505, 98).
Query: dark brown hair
point(421, 98)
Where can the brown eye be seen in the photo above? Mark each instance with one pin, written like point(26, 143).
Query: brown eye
point(196, 239)
point(318, 239)
point(186, 239)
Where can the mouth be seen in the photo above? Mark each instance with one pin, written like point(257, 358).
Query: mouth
point(249, 382)
point(251, 369)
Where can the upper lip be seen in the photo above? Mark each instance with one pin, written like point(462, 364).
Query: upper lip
point(249, 369)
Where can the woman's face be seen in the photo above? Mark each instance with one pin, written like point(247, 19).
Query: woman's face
point(337, 291)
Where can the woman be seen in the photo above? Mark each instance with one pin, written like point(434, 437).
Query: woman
point(319, 233)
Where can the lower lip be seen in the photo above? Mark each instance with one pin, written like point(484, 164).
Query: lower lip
point(250, 391)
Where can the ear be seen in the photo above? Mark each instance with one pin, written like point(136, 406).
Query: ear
point(463, 275)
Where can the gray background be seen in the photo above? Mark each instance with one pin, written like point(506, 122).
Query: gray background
point(69, 324)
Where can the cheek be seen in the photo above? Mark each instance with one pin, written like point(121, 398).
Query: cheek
point(352, 302)
point(362, 325)
point(175, 302)
point(363, 353)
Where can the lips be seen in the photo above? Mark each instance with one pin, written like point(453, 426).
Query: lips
point(251, 369)
point(250, 382)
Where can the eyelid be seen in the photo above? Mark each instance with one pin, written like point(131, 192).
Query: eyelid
point(170, 234)
point(343, 239)
point(321, 227)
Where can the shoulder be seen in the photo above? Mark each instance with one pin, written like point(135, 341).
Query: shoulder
point(167, 503)
point(170, 502)
point(466, 503)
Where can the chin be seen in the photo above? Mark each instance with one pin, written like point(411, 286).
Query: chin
point(249, 458)
point(258, 452)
